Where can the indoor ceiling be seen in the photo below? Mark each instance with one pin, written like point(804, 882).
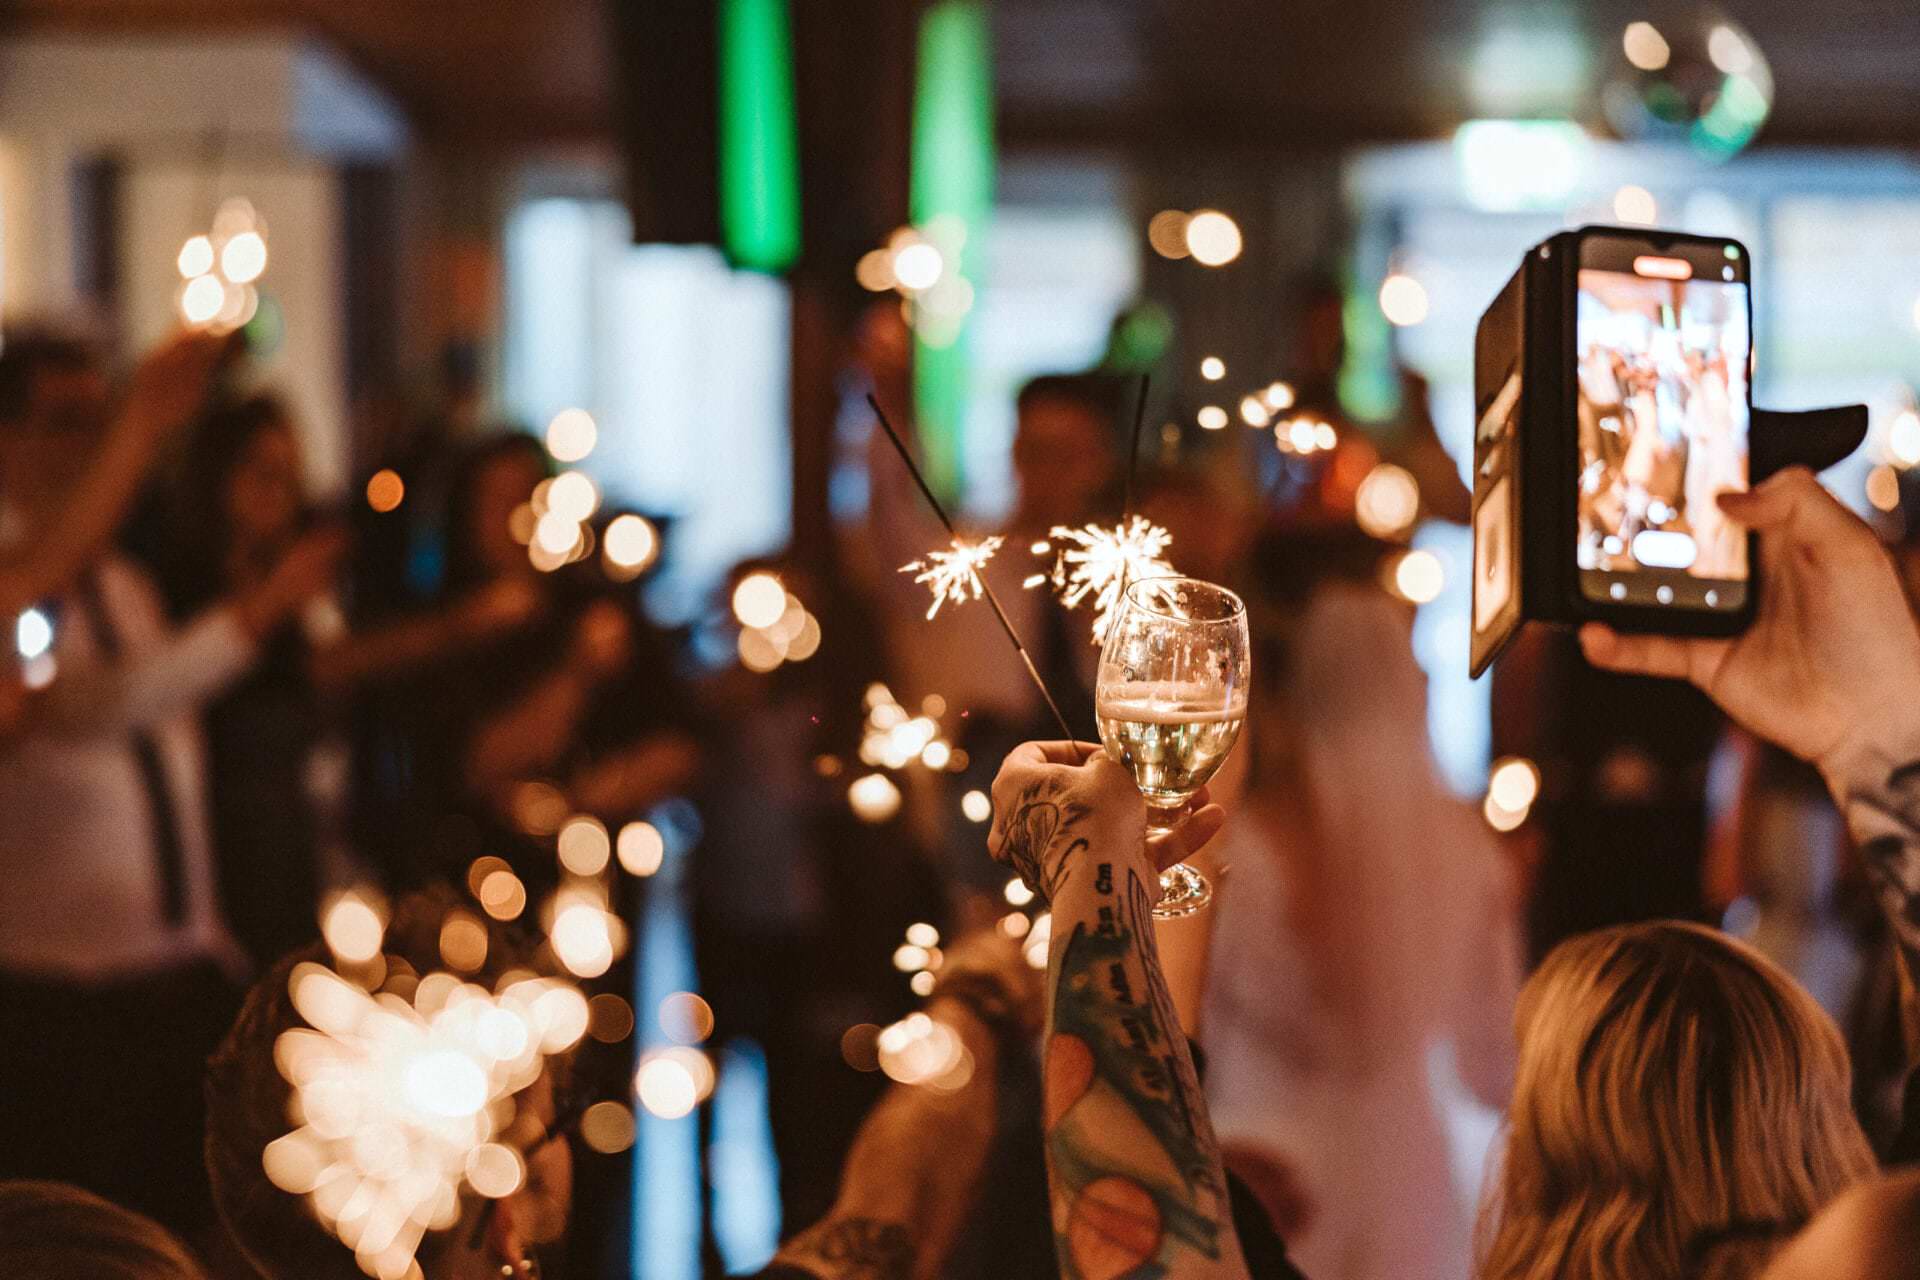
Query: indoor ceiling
point(1177, 73)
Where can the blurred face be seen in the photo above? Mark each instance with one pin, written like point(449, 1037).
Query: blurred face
point(1062, 460)
point(264, 492)
point(49, 447)
point(501, 486)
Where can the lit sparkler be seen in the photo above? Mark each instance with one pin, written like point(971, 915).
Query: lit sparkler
point(402, 1102)
point(986, 589)
point(954, 575)
point(1101, 562)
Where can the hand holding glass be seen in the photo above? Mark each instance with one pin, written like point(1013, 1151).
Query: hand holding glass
point(1171, 697)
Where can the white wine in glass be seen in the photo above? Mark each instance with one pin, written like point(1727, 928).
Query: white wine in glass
point(1170, 698)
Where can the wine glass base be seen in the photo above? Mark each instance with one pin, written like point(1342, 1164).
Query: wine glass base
point(1183, 892)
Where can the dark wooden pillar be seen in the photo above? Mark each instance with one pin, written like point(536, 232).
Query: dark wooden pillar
point(853, 78)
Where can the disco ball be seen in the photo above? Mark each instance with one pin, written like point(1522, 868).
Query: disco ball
point(1688, 76)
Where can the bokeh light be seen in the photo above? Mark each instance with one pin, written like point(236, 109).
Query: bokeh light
point(1213, 368)
point(385, 490)
point(571, 435)
point(1417, 576)
point(1279, 396)
point(1254, 411)
point(354, 925)
point(196, 257)
point(1213, 238)
point(495, 1170)
point(1644, 46)
point(1883, 488)
point(1167, 233)
point(202, 299)
point(641, 848)
point(1903, 438)
point(917, 266)
point(1513, 783)
point(686, 1018)
point(1211, 417)
point(759, 600)
point(1635, 206)
point(1403, 300)
point(975, 806)
point(609, 1018)
point(1387, 501)
point(607, 1127)
point(631, 544)
point(873, 797)
point(666, 1087)
point(243, 258)
point(1017, 893)
point(584, 847)
point(572, 496)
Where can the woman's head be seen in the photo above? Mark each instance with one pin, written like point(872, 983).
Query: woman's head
point(247, 462)
point(1681, 1107)
point(51, 1231)
point(496, 477)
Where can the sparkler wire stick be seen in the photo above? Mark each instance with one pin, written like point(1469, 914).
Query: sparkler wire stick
point(1133, 464)
point(1133, 454)
point(1006, 625)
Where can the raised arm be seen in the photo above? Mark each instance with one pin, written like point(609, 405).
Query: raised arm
point(1135, 1175)
point(168, 390)
point(1830, 670)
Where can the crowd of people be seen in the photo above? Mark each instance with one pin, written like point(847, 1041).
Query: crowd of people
point(231, 703)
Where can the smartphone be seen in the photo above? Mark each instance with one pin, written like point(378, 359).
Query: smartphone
point(1662, 384)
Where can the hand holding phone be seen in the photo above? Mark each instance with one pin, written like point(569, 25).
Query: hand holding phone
point(1830, 669)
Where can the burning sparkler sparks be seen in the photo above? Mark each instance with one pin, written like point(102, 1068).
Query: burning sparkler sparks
point(954, 575)
point(401, 1102)
point(1101, 562)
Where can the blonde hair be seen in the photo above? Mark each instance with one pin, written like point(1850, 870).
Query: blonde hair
point(1681, 1107)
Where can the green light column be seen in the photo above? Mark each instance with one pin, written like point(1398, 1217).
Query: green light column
point(759, 165)
point(952, 176)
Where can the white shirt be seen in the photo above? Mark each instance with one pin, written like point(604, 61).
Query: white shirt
point(83, 898)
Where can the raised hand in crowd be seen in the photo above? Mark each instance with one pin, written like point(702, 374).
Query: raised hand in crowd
point(1135, 1174)
point(1830, 670)
point(167, 391)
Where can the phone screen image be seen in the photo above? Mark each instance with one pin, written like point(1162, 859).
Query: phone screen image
point(1661, 353)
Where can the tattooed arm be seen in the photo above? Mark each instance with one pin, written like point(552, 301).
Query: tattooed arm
point(1135, 1175)
point(1830, 670)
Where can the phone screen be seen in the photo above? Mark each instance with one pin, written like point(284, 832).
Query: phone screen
point(1663, 352)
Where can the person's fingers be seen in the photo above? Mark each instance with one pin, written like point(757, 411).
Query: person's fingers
point(1189, 836)
point(1053, 752)
point(1636, 655)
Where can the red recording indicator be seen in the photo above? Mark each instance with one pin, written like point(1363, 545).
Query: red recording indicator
point(1664, 268)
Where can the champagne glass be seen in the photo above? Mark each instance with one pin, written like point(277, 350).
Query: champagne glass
point(1171, 697)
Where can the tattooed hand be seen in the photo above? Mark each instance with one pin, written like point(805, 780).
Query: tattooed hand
point(1053, 800)
point(1830, 669)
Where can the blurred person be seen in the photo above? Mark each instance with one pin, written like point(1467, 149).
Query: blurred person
point(582, 693)
point(1871, 1233)
point(1829, 670)
point(114, 958)
point(51, 1231)
point(1682, 1106)
point(1366, 949)
point(274, 758)
point(52, 392)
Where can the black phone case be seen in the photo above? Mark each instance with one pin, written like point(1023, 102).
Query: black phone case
point(1525, 433)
